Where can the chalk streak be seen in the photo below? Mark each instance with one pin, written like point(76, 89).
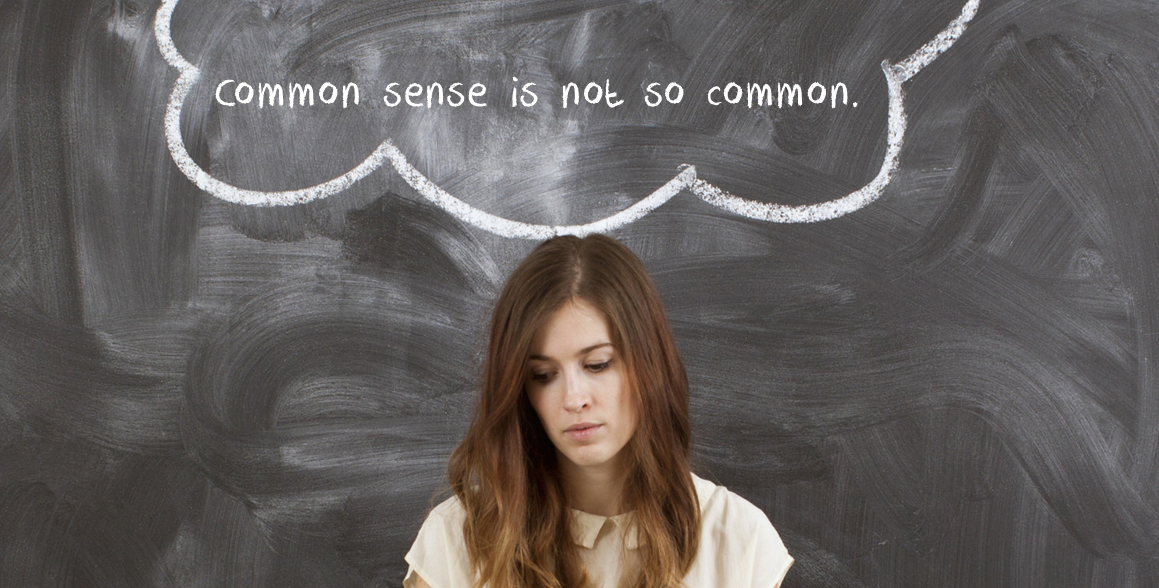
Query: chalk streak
point(895, 75)
point(201, 178)
point(808, 213)
point(911, 65)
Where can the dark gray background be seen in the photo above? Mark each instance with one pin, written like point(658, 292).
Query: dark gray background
point(955, 386)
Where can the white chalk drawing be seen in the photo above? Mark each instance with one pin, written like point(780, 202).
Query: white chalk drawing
point(895, 75)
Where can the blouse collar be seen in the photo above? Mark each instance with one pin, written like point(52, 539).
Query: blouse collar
point(586, 527)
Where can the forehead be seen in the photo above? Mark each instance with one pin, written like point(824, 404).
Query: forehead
point(572, 327)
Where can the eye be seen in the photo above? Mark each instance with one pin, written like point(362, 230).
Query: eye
point(598, 367)
point(541, 377)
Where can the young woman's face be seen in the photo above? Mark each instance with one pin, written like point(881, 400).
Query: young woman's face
point(577, 384)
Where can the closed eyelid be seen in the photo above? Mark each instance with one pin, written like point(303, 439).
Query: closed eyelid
point(580, 353)
point(542, 373)
point(553, 366)
point(598, 367)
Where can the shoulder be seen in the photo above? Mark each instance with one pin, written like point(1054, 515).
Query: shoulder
point(449, 510)
point(738, 544)
point(439, 553)
point(719, 505)
point(446, 518)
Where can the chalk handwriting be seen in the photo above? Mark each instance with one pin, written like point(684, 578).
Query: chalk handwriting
point(895, 75)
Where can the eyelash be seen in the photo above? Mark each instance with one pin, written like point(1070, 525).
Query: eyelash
point(594, 367)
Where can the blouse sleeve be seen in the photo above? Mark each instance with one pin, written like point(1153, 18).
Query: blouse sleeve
point(439, 554)
point(771, 561)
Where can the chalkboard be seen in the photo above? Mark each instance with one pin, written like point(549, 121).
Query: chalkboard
point(248, 250)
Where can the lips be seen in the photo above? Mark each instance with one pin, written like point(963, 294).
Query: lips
point(582, 431)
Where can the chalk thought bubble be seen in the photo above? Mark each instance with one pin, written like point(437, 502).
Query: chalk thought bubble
point(895, 76)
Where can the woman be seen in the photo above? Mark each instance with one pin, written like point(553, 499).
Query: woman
point(576, 469)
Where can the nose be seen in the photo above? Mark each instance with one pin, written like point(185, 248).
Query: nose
point(576, 395)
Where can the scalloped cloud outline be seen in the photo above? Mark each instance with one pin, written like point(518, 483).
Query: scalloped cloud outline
point(895, 75)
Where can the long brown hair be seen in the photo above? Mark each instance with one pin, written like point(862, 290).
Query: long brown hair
point(505, 472)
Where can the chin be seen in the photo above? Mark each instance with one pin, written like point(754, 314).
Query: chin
point(588, 458)
point(587, 463)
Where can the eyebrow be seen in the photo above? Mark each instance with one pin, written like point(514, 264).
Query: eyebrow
point(581, 351)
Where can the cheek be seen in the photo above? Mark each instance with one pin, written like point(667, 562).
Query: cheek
point(630, 417)
point(540, 403)
point(626, 409)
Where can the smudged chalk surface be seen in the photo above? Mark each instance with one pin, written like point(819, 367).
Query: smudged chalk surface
point(954, 386)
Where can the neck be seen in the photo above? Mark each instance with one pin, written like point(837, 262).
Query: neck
point(596, 490)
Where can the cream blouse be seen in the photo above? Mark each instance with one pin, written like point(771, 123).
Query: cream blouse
point(738, 546)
